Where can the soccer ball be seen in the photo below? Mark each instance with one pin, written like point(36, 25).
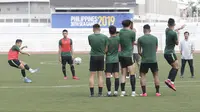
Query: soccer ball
point(77, 61)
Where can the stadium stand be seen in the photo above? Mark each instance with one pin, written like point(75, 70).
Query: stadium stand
point(30, 20)
point(92, 3)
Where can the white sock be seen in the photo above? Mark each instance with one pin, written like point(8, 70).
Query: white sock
point(109, 92)
point(30, 69)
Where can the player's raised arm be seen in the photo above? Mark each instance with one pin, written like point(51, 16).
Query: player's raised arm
point(177, 36)
point(23, 47)
point(23, 52)
point(182, 27)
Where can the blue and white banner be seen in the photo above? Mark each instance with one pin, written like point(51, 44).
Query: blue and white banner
point(87, 20)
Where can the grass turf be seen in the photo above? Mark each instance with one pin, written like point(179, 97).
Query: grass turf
point(50, 93)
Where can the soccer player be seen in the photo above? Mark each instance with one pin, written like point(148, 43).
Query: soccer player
point(169, 53)
point(127, 38)
point(147, 48)
point(66, 54)
point(187, 49)
point(98, 43)
point(14, 61)
point(112, 61)
point(136, 57)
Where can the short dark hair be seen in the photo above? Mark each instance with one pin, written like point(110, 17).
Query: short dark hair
point(171, 22)
point(96, 26)
point(64, 30)
point(126, 23)
point(112, 29)
point(186, 32)
point(18, 41)
point(117, 32)
point(146, 27)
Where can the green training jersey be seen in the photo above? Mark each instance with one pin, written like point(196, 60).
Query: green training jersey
point(112, 54)
point(171, 38)
point(148, 44)
point(127, 37)
point(98, 43)
point(15, 48)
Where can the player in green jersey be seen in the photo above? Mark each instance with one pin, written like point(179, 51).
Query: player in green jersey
point(172, 39)
point(147, 48)
point(112, 60)
point(98, 43)
point(127, 38)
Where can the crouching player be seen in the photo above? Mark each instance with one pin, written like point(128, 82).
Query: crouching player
point(112, 61)
point(15, 62)
point(147, 47)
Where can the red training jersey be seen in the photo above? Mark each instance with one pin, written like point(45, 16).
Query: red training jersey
point(65, 45)
point(13, 53)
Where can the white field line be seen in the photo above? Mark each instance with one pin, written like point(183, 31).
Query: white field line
point(49, 63)
point(76, 86)
point(85, 85)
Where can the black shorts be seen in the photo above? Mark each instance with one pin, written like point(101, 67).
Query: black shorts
point(96, 63)
point(14, 63)
point(144, 67)
point(136, 58)
point(112, 67)
point(171, 58)
point(125, 61)
point(67, 59)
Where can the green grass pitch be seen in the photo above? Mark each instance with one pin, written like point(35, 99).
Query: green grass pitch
point(50, 93)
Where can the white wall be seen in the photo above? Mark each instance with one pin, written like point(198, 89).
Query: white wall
point(43, 38)
point(41, 7)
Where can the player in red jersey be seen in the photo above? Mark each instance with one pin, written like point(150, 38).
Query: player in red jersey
point(66, 54)
point(14, 61)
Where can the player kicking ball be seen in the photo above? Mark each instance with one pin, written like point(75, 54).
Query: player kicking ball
point(66, 54)
point(112, 61)
point(172, 39)
point(147, 48)
point(14, 61)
